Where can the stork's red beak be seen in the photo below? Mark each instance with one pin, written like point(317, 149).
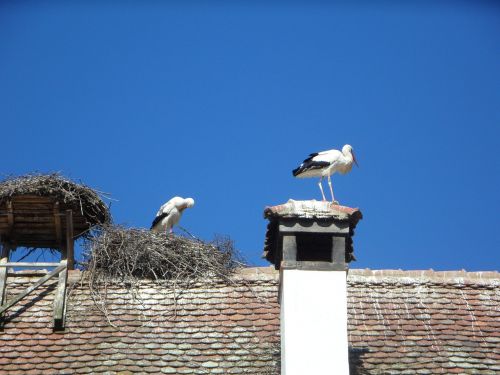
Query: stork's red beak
point(355, 161)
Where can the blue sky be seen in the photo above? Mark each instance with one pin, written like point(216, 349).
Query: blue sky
point(221, 100)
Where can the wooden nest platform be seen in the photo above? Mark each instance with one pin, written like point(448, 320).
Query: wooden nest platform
point(36, 210)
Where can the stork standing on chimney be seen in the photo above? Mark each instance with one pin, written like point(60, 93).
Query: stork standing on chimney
point(170, 213)
point(326, 163)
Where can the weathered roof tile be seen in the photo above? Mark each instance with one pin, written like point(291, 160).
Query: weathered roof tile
point(399, 322)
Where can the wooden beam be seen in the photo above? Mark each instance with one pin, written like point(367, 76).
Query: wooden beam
point(60, 298)
point(70, 242)
point(29, 290)
point(39, 245)
point(57, 223)
point(3, 275)
point(28, 264)
point(32, 198)
point(10, 215)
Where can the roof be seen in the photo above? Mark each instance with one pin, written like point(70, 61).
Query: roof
point(398, 322)
point(205, 328)
point(426, 322)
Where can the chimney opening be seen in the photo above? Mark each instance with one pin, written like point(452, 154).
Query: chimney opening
point(314, 247)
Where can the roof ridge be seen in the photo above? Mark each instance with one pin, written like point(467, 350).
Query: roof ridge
point(361, 275)
point(425, 276)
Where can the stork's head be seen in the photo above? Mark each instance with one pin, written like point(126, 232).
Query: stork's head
point(189, 202)
point(347, 149)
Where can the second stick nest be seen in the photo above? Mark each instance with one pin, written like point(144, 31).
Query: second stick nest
point(78, 196)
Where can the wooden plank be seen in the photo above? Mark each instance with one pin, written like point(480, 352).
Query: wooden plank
point(40, 219)
point(27, 230)
point(46, 211)
point(19, 219)
point(29, 290)
point(70, 241)
point(28, 202)
point(60, 298)
point(26, 226)
point(57, 223)
point(29, 264)
point(32, 198)
point(10, 215)
point(3, 275)
point(35, 239)
point(21, 206)
point(39, 244)
point(47, 216)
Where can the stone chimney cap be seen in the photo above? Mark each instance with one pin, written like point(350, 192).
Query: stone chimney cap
point(313, 209)
point(309, 212)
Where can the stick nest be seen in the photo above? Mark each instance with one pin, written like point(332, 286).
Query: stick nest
point(77, 196)
point(129, 255)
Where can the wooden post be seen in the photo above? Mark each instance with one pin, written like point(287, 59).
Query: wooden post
point(10, 215)
point(3, 276)
point(60, 298)
point(57, 223)
point(70, 256)
point(29, 264)
point(3, 271)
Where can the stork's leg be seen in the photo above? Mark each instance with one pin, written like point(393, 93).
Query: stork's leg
point(321, 188)
point(331, 189)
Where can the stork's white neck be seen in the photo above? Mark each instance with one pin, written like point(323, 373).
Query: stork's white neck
point(347, 152)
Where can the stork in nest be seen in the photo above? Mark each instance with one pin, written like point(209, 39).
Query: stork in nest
point(170, 213)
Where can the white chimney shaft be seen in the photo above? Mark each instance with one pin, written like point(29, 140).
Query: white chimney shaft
point(314, 322)
point(311, 243)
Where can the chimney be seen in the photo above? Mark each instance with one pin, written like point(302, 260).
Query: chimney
point(310, 242)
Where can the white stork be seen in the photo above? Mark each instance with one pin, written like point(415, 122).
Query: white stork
point(326, 163)
point(170, 213)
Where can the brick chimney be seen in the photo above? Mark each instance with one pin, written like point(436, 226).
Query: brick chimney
point(310, 242)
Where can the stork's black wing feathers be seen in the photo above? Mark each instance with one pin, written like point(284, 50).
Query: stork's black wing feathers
point(309, 164)
point(158, 219)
